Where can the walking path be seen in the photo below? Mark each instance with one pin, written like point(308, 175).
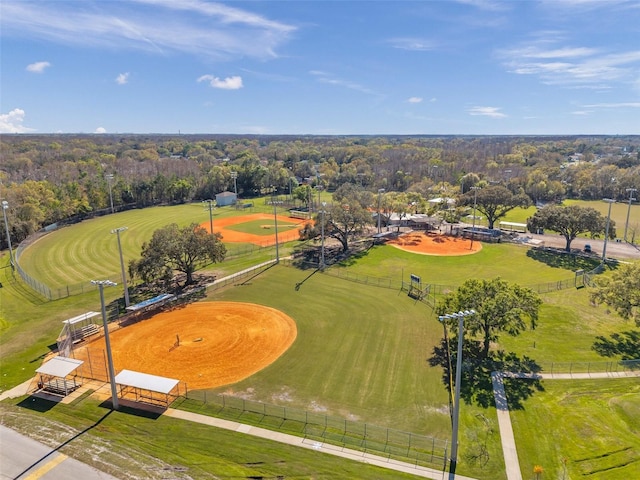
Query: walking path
point(509, 450)
point(355, 455)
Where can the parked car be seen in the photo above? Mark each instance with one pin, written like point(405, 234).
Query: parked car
point(587, 248)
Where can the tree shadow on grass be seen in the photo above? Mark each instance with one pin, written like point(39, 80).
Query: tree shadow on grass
point(476, 386)
point(625, 344)
point(559, 258)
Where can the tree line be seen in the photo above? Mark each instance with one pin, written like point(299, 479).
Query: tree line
point(49, 178)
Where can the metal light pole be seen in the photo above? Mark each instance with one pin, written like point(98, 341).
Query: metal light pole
point(630, 191)
point(324, 204)
point(606, 231)
point(380, 192)
point(456, 406)
point(473, 229)
point(234, 175)
point(112, 374)
point(318, 188)
point(124, 277)
point(5, 206)
point(210, 207)
point(275, 220)
point(109, 177)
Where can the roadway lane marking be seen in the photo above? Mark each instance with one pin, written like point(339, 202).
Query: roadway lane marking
point(50, 465)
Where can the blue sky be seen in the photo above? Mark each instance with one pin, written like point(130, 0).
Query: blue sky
point(321, 67)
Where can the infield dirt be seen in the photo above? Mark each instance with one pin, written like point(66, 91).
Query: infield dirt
point(435, 244)
point(285, 233)
point(205, 344)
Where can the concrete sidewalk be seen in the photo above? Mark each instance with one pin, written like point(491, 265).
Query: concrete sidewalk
point(355, 455)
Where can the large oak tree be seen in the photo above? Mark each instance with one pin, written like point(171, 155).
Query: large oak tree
point(621, 291)
point(571, 221)
point(500, 307)
point(494, 202)
point(172, 248)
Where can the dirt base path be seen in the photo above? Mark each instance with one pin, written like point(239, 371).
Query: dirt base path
point(219, 343)
point(435, 244)
point(287, 229)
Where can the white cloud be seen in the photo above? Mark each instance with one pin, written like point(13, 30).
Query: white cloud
point(583, 113)
point(100, 130)
point(493, 112)
point(12, 122)
point(193, 27)
point(573, 66)
point(123, 78)
point(38, 67)
point(412, 44)
point(324, 77)
point(229, 83)
point(414, 100)
point(614, 105)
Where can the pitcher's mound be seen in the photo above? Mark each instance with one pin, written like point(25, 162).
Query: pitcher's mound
point(204, 344)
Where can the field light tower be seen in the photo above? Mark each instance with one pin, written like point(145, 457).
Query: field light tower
point(109, 177)
point(324, 204)
point(112, 374)
point(475, 198)
point(380, 192)
point(630, 191)
point(124, 276)
point(210, 207)
point(234, 175)
point(456, 406)
point(5, 207)
point(606, 231)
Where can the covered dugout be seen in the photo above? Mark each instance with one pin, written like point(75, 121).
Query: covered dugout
point(145, 388)
point(59, 375)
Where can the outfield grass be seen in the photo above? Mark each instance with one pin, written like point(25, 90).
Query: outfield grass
point(513, 263)
point(581, 429)
point(85, 251)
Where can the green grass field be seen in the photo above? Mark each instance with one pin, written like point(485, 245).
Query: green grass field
point(361, 353)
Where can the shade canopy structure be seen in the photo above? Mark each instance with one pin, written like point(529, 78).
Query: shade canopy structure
point(81, 318)
point(146, 388)
point(151, 302)
point(58, 375)
point(60, 367)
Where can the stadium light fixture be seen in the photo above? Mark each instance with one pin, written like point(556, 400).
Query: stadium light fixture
point(112, 374)
point(5, 207)
point(124, 276)
point(606, 230)
point(456, 406)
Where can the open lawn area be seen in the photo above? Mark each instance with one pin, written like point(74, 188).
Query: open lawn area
point(581, 429)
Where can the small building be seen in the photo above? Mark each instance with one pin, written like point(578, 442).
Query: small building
point(224, 199)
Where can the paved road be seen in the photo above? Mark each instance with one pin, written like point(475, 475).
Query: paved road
point(26, 459)
point(618, 250)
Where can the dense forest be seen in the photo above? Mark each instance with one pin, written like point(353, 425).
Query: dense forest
point(49, 178)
